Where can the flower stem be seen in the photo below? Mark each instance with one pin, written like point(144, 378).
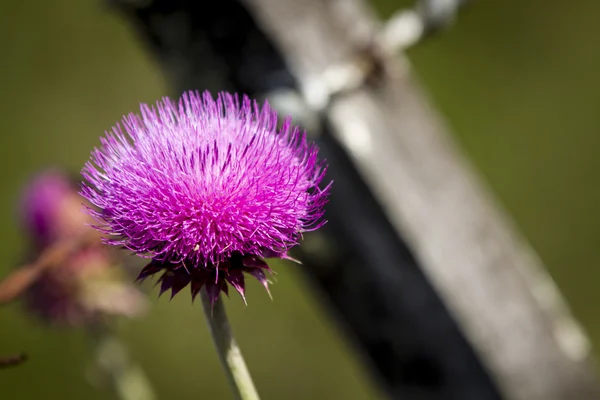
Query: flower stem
point(229, 353)
point(127, 379)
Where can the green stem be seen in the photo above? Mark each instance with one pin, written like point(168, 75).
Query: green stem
point(229, 353)
point(125, 377)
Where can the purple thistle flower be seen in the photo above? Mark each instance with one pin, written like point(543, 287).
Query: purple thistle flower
point(51, 208)
point(88, 284)
point(207, 189)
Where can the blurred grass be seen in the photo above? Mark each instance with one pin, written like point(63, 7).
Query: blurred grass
point(517, 80)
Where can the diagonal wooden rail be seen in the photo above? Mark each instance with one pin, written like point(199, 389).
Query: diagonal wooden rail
point(443, 299)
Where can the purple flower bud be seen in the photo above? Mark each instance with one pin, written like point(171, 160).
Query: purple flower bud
point(51, 208)
point(206, 188)
point(88, 284)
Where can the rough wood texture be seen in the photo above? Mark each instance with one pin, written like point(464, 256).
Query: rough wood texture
point(490, 278)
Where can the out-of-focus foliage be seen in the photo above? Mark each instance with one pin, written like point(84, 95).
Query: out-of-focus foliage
point(516, 79)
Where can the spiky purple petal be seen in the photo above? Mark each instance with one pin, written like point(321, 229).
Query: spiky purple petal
point(235, 278)
point(259, 274)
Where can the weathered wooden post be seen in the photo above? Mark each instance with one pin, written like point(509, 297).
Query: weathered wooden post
point(442, 297)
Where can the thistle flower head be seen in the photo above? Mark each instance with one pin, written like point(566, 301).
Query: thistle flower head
point(205, 188)
point(87, 284)
point(51, 208)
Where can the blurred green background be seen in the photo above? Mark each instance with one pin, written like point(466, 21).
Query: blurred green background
point(517, 80)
